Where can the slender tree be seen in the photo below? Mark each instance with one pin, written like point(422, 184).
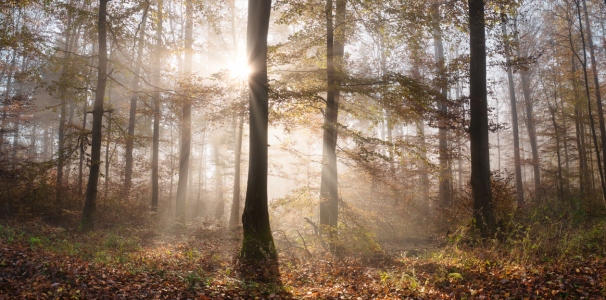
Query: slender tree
point(61, 137)
point(132, 116)
point(530, 123)
point(584, 66)
point(596, 86)
point(186, 126)
point(235, 206)
point(444, 186)
point(514, 114)
point(257, 241)
point(329, 190)
point(90, 205)
point(156, 97)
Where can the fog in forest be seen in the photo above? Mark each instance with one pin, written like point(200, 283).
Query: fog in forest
point(305, 130)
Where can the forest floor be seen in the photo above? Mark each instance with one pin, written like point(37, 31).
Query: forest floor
point(39, 261)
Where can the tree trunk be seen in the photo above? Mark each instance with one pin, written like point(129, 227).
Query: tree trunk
point(235, 207)
point(61, 154)
point(514, 115)
point(423, 174)
point(220, 206)
point(200, 172)
point(579, 134)
point(81, 163)
point(329, 191)
point(532, 136)
point(593, 133)
point(598, 95)
point(156, 96)
point(109, 134)
point(257, 238)
point(444, 192)
point(478, 127)
point(132, 118)
point(552, 110)
point(91, 191)
point(186, 126)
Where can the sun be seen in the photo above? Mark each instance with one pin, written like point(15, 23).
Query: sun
point(239, 70)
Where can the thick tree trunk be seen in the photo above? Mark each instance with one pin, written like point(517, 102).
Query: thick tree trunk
point(91, 191)
point(186, 126)
point(514, 115)
point(257, 238)
point(444, 192)
point(234, 219)
point(156, 96)
point(132, 117)
point(478, 127)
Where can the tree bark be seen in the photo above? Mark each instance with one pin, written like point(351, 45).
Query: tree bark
point(444, 186)
point(186, 126)
point(532, 136)
point(514, 115)
point(552, 110)
point(61, 154)
point(329, 189)
point(593, 133)
point(156, 97)
point(201, 174)
point(235, 207)
point(220, 206)
point(132, 116)
point(579, 135)
point(596, 83)
point(81, 163)
point(257, 238)
point(478, 127)
point(91, 191)
point(109, 134)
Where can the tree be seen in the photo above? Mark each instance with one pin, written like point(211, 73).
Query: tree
point(514, 113)
point(596, 83)
point(132, 118)
point(90, 206)
point(329, 189)
point(530, 123)
point(257, 240)
point(584, 66)
point(444, 193)
point(478, 126)
point(156, 97)
point(186, 126)
point(235, 206)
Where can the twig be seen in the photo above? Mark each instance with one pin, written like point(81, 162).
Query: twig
point(316, 231)
point(304, 244)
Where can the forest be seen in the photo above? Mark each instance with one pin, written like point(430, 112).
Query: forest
point(302, 149)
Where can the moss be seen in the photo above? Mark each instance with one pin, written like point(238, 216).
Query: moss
point(86, 225)
point(257, 247)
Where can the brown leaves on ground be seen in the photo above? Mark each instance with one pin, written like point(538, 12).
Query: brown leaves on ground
point(207, 269)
